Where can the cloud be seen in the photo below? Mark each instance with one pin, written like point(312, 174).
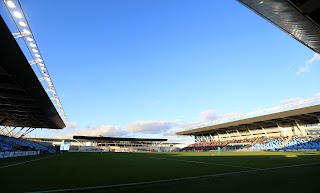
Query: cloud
point(292, 100)
point(303, 69)
point(173, 137)
point(151, 126)
point(315, 58)
point(103, 130)
point(211, 115)
point(71, 125)
point(306, 67)
point(141, 129)
point(298, 99)
point(291, 66)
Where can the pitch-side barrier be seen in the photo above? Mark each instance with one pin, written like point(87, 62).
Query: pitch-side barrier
point(7, 154)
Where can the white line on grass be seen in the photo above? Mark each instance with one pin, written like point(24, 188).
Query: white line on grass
point(209, 163)
point(170, 180)
point(287, 158)
point(26, 162)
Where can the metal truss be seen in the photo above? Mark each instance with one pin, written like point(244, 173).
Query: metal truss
point(16, 132)
point(24, 31)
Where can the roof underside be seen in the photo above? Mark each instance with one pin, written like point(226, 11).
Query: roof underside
point(23, 100)
point(92, 138)
point(306, 115)
point(299, 18)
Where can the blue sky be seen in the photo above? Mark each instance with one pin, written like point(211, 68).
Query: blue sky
point(142, 68)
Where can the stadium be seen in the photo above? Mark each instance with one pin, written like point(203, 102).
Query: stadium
point(269, 150)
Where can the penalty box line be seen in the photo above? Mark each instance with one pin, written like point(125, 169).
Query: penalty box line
point(26, 162)
point(171, 180)
point(207, 163)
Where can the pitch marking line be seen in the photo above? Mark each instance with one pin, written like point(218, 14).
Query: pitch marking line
point(209, 163)
point(25, 162)
point(170, 180)
point(287, 158)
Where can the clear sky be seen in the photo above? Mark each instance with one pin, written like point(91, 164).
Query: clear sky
point(141, 68)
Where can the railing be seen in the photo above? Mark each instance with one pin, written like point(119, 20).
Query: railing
point(7, 154)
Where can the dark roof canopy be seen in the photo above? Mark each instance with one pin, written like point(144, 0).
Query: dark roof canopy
point(23, 100)
point(299, 18)
point(306, 115)
point(92, 138)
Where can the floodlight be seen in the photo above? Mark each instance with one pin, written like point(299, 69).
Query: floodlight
point(11, 4)
point(17, 14)
point(29, 39)
point(32, 45)
point(35, 50)
point(22, 24)
point(26, 31)
point(37, 55)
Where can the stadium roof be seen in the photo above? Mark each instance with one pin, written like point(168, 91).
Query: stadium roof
point(307, 115)
point(23, 100)
point(92, 138)
point(299, 18)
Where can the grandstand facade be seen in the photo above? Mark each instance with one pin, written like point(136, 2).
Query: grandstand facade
point(301, 122)
point(294, 129)
point(114, 144)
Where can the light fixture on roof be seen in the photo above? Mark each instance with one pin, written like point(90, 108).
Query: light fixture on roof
point(11, 4)
point(33, 45)
point(26, 31)
point(17, 14)
point(19, 18)
point(22, 24)
point(29, 39)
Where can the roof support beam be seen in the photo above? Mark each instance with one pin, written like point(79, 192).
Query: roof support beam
point(3, 120)
point(250, 132)
point(17, 133)
point(27, 132)
point(279, 127)
point(228, 135)
point(2, 130)
point(302, 131)
point(212, 139)
point(239, 134)
point(264, 131)
point(219, 137)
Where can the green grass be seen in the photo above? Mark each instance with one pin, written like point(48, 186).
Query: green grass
point(77, 170)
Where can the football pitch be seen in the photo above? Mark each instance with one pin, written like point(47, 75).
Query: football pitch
point(262, 172)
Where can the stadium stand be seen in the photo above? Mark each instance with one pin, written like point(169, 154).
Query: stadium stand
point(302, 143)
point(260, 144)
point(268, 143)
point(19, 144)
point(290, 127)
